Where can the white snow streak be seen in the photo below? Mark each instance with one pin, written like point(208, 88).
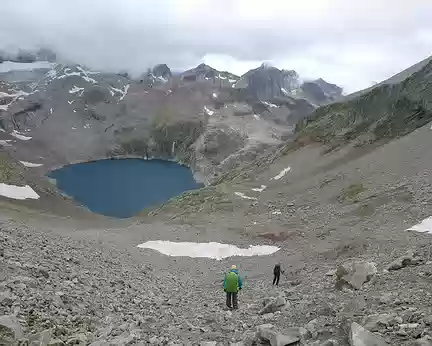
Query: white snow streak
point(281, 174)
point(285, 92)
point(242, 195)
point(20, 136)
point(214, 95)
point(78, 74)
point(212, 250)
point(271, 105)
point(232, 80)
point(257, 117)
point(18, 192)
point(423, 227)
point(123, 92)
point(13, 97)
point(8, 66)
point(276, 212)
point(5, 142)
point(70, 102)
point(259, 189)
point(173, 148)
point(75, 90)
point(87, 126)
point(208, 111)
point(51, 111)
point(222, 77)
point(29, 164)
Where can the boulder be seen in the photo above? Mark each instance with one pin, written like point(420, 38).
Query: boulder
point(424, 341)
point(362, 337)
point(408, 259)
point(275, 304)
point(378, 321)
point(268, 333)
point(355, 274)
point(10, 326)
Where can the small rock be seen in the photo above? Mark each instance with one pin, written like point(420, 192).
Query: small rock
point(405, 260)
point(56, 342)
point(376, 322)
point(208, 343)
point(331, 272)
point(330, 342)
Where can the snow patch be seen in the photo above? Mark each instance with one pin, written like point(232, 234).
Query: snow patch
point(18, 192)
point(214, 95)
point(16, 134)
point(73, 128)
point(70, 102)
point(211, 250)
point(29, 164)
point(276, 212)
point(222, 77)
point(123, 92)
point(87, 126)
point(284, 91)
point(423, 227)
point(51, 111)
point(281, 174)
point(232, 80)
point(173, 148)
point(271, 105)
point(15, 96)
point(5, 142)
point(8, 66)
point(208, 111)
point(259, 189)
point(242, 195)
point(257, 117)
point(75, 90)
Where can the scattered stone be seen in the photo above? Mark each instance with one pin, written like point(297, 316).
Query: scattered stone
point(355, 274)
point(267, 332)
point(208, 343)
point(274, 305)
point(56, 342)
point(331, 272)
point(362, 337)
point(10, 326)
point(424, 341)
point(408, 259)
point(330, 342)
point(374, 323)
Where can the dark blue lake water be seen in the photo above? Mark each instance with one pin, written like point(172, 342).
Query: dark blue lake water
point(122, 188)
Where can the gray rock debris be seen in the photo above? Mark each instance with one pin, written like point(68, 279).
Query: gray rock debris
point(267, 332)
point(355, 274)
point(273, 305)
point(10, 326)
point(425, 341)
point(408, 259)
point(362, 337)
point(376, 322)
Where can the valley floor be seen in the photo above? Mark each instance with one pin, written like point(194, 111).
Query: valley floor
point(84, 280)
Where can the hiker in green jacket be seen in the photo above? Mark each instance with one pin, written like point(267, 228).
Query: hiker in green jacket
point(232, 284)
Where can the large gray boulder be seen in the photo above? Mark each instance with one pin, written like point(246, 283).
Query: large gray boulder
point(273, 305)
point(10, 327)
point(268, 333)
point(355, 274)
point(408, 259)
point(362, 337)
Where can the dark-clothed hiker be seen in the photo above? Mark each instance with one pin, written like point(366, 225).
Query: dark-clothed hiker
point(232, 284)
point(276, 272)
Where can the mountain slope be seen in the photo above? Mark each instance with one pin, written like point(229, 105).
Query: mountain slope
point(387, 111)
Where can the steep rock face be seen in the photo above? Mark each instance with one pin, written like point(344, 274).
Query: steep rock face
point(267, 83)
point(162, 70)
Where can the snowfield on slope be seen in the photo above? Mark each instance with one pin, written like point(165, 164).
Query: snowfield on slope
point(30, 164)
point(423, 227)
point(18, 192)
point(212, 250)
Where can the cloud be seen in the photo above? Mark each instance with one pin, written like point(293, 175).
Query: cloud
point(349, 43)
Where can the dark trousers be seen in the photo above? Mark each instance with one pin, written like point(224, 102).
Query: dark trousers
point(231, 300)
point(276, 279)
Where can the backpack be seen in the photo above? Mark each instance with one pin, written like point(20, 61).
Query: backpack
point(232, 282)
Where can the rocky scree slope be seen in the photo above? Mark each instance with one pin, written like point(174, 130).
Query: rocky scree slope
point(341, 219)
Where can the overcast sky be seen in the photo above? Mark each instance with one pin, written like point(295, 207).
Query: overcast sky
point(350, 43)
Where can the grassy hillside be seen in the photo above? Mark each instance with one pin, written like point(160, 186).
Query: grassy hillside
point(387, 111)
